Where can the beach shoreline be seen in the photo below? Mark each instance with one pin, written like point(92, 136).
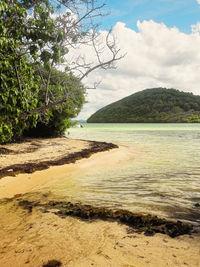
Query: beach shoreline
point(36, 228)
point(33, 235)
point(52, 159)
point(37, 150)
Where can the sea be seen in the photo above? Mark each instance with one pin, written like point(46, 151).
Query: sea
point(160, 175)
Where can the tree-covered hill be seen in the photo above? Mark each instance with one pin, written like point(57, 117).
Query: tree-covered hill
point(151, 105)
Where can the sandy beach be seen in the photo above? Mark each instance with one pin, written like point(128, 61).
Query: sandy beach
point(35, 236)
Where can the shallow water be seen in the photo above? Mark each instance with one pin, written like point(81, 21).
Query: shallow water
point(161, 176)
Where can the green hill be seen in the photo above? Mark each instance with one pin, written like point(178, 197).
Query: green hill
point(151, 105)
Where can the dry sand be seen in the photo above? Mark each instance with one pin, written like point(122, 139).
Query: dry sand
point(40, 149)
point(34, 238)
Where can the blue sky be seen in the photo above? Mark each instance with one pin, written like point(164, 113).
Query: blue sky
point(179, 13)
point(162, 42)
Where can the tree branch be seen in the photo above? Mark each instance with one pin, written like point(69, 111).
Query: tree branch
point(18, 78)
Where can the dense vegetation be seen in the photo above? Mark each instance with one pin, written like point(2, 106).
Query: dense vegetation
point(30, 88)
point(56, 120)
point(151, 105)
point(36, 38)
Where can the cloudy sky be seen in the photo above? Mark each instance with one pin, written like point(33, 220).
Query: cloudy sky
point(162, 42)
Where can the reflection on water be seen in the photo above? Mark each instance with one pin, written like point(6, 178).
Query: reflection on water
point(164, 178)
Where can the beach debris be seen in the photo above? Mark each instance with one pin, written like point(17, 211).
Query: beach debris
point(66, 159)
point(52, 263)
point(149, 232)
point(146, 223)
point(18, 195)
point(4, 150)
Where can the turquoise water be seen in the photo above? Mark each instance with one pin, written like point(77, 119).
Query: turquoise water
point(161, 175)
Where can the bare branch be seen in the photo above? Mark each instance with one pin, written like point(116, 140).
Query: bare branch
point(78, 26)
point(18, 78)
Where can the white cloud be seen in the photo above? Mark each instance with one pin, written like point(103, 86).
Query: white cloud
point(198, 1)
point(157, 56)
point(196, 27)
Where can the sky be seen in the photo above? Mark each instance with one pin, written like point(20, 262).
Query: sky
point(161, 39)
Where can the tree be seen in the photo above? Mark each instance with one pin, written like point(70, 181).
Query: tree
point(18, 84)
point(57, 119)
point(35, 33)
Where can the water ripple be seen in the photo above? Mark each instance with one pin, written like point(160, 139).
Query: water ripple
point(163, 180)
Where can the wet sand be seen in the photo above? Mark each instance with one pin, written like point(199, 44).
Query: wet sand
point(33, 237)
point(25, 182)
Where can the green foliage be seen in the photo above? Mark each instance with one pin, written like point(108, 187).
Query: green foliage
point(43, 39)
point(152, 105)
point(57, 119)
point(193, 118)
point(17, 80)
point(30, 39)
